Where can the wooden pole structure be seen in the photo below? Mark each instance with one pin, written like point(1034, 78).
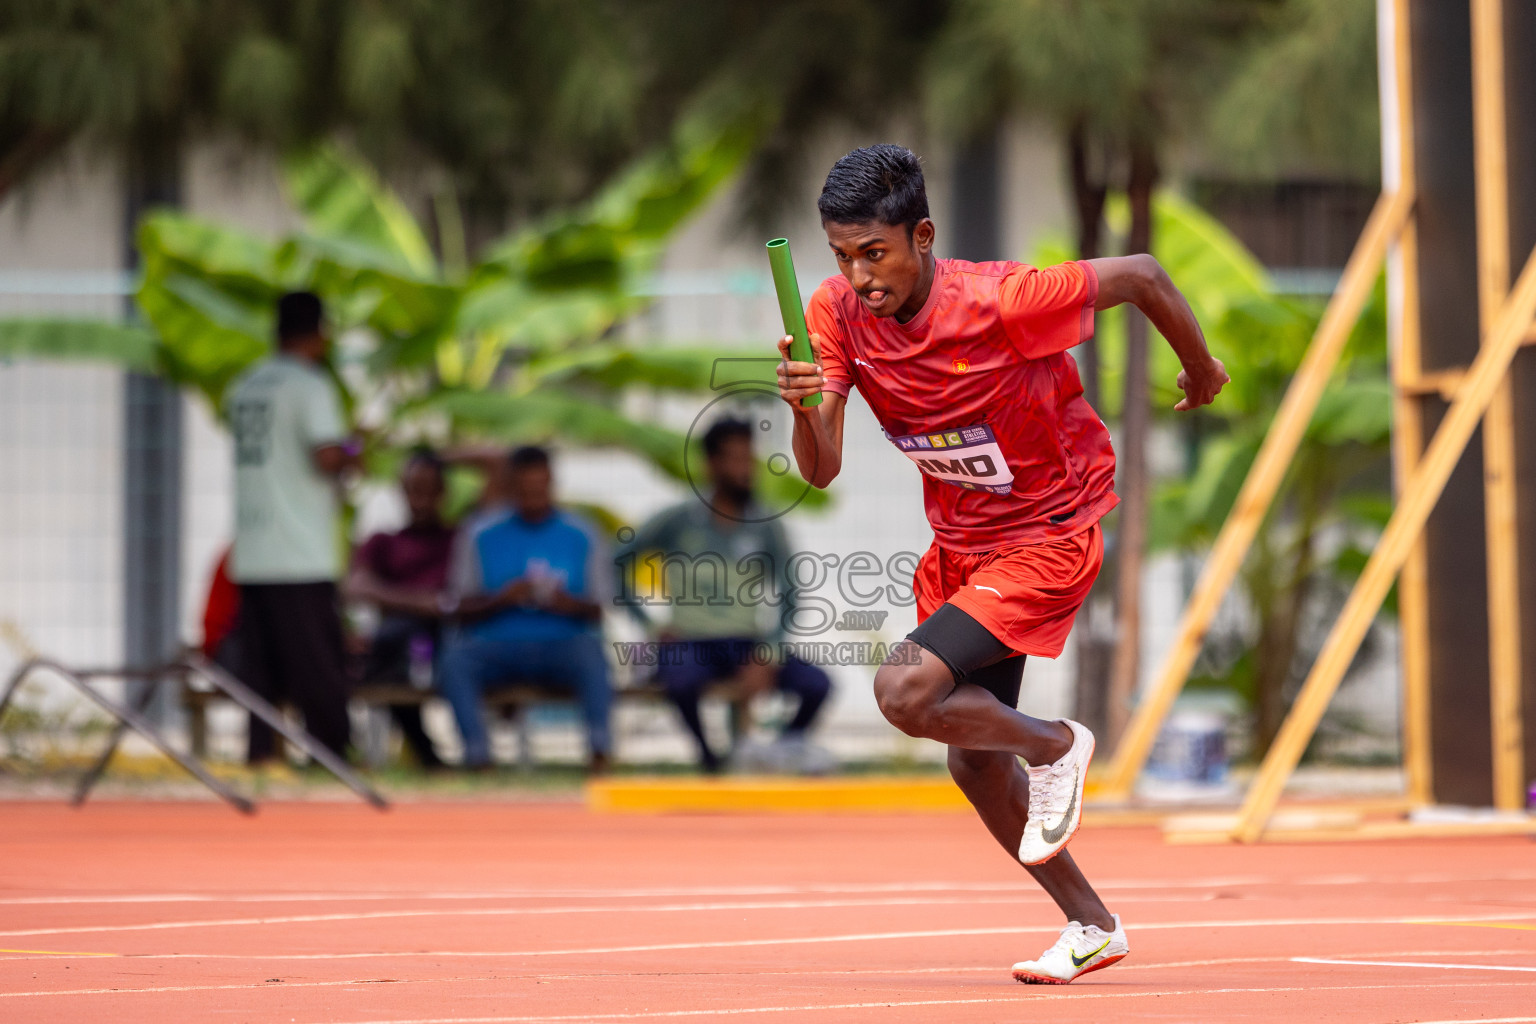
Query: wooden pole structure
point(1413, 581)
point(1259, 489)
point(1500, 498)
point(1408, 428)
point(1483, 379)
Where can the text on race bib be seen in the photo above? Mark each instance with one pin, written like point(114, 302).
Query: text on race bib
point(967, 457)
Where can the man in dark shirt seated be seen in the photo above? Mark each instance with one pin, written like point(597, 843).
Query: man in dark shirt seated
point(405, 575)
point(529, 588)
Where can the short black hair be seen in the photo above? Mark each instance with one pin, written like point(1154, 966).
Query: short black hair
point(723, 430)
point(299, 315)
point(528, 456)
point(422, 455)
point(877, 183)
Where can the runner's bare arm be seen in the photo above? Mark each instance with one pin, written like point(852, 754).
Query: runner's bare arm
point(1142, 281)
point(818, 437)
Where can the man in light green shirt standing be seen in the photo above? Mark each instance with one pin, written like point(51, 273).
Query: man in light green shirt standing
point(291, 444)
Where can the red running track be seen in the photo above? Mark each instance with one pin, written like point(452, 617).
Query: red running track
point(335, 914)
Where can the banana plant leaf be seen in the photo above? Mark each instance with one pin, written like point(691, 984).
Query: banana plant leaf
point(522, 316)
point(678, 369)
point(620, 231)
point(1230, 294)
point(343, 202)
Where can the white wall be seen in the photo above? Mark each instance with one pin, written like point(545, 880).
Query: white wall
point(60, 429)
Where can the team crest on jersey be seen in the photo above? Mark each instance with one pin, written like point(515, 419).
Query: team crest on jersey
point(961, 364)
point(969, 458)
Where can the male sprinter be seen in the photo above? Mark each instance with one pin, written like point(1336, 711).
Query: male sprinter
point(965, 365)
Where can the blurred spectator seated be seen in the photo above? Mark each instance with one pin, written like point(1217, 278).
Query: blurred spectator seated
point(405, 575)
point(708, 553)
point(528, 588)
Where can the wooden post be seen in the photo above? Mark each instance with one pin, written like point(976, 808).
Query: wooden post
point(1413, 581)
point(1483, 379)
point(1259, 489)
point(1408, 435)
point(1500, 499)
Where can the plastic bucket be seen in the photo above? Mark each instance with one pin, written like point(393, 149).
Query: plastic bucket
point(1192, 748)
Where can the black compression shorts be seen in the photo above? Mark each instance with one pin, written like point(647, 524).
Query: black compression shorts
point(972, 654)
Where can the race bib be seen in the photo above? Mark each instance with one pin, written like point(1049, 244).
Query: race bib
point(967, 457)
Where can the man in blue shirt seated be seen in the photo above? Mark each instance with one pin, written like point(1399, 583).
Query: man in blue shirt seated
point(529, 588)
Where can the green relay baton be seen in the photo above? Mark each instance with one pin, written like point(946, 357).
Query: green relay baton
point(788, 289)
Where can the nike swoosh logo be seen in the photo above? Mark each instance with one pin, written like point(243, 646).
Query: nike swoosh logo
point(1053, 835)
point(860, 362)
point(994, 590)
point(1078, 961)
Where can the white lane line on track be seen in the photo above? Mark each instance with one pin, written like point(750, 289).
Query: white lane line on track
point(1406, 963)
point(1019, 999)
point(1114, 884)
point(1016, 895)
point(276, 986)
point(822, 939)
point(676, 892)
point(642, 908)
point(1023, 994)
point(833, 971)
point(618, 908)
point(989, 969)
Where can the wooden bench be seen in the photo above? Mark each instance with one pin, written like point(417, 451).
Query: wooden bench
point(506, 702)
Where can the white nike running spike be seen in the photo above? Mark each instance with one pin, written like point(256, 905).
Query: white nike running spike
point(1077, 951)
point(1056, 799)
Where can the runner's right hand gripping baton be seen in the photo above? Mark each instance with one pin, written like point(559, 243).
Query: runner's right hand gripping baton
point(788, 289)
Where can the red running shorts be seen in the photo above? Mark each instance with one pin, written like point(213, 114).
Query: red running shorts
point(1025, 596)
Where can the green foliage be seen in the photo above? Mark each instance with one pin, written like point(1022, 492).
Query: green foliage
point(1265, 86)
point(1304, 94)
point(1127, 70)
point(1231, 297)
point(90, 340)
point(524, 106)
point(519, 347)
point(345, 204)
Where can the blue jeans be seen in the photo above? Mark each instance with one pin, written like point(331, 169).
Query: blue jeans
point(471, 665)
point(691, 665)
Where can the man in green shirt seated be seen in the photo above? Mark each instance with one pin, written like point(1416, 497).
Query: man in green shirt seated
point(712, 558)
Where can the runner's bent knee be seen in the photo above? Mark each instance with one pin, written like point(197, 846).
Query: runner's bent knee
point(909, 695)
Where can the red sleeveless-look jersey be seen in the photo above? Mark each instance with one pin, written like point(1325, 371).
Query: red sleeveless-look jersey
point(979, 392)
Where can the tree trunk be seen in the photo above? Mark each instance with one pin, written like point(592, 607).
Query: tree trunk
point(978, 197)
point(1091, 693)
point(1135, 422)
point(1274, 653)
point(1088, 198)
point(1279, 633)
point(152, 459)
